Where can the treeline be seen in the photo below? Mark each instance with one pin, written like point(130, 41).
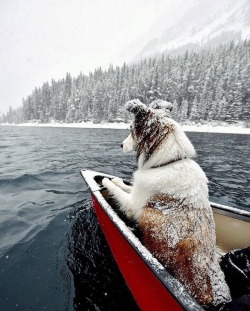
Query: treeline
point(206, 85)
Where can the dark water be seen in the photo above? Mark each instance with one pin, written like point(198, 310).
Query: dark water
point(53, 255)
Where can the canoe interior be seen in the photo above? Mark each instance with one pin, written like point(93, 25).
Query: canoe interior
point(231, 232)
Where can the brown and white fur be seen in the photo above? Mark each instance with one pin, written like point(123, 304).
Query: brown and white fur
point(169, 200)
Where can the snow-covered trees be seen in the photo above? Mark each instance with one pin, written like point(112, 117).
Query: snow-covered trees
point(209, 85)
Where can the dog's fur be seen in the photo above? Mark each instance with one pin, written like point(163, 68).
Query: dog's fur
point(169, 200)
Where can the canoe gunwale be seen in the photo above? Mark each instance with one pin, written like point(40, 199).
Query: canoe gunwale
point(230, 211)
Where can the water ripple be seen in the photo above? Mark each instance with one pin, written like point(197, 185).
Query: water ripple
point(50, 241)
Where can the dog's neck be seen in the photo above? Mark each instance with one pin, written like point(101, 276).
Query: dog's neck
point(167, 163)
point(160, 164)
point(162, 156)
point(174, 148)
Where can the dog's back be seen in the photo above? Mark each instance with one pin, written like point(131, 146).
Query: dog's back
point(175, 233)
point(179, 229)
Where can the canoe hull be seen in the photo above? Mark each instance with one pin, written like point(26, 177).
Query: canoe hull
point(148, 291)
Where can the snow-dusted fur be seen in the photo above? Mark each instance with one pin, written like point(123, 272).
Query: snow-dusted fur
point(169, 200)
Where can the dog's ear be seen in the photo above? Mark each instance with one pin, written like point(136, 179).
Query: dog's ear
point(163, 105)
point(136, 106)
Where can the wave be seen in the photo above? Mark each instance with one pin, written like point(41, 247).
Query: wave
point(65, 192)
point(27, 181)
point(24, 227)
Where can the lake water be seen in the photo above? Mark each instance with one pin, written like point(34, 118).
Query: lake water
point(53, 255)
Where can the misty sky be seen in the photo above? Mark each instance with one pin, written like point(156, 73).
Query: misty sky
point(44, 39)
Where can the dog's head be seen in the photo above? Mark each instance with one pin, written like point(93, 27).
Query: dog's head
point(151, 128)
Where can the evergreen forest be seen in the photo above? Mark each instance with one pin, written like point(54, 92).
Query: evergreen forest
point(203, 86)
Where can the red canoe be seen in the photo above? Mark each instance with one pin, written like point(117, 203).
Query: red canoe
point(152, 286)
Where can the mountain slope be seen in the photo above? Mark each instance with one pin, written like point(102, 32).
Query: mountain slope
point(201, 23)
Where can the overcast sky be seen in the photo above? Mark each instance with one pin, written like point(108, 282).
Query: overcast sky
point(44, 39)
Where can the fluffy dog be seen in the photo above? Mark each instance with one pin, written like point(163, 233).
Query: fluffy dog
point(169, 200)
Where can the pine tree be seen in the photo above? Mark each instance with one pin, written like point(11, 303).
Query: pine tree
point(222, 109)
point(194, 110)
point(184, 111)
point(71, 110)
point(210, 84)
point(97, 103)
point(175, 111)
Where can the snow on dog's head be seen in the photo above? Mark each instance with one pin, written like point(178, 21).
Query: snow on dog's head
point(155, 136)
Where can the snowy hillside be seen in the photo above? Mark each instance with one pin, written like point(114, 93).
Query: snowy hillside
point(194, 23)
point(203, 86)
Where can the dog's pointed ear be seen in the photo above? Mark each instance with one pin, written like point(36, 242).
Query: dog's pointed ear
point(136, 106)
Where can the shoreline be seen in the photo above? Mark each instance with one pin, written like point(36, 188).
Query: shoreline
point(203, 128)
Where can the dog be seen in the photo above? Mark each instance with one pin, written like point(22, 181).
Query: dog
point(169, 201)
